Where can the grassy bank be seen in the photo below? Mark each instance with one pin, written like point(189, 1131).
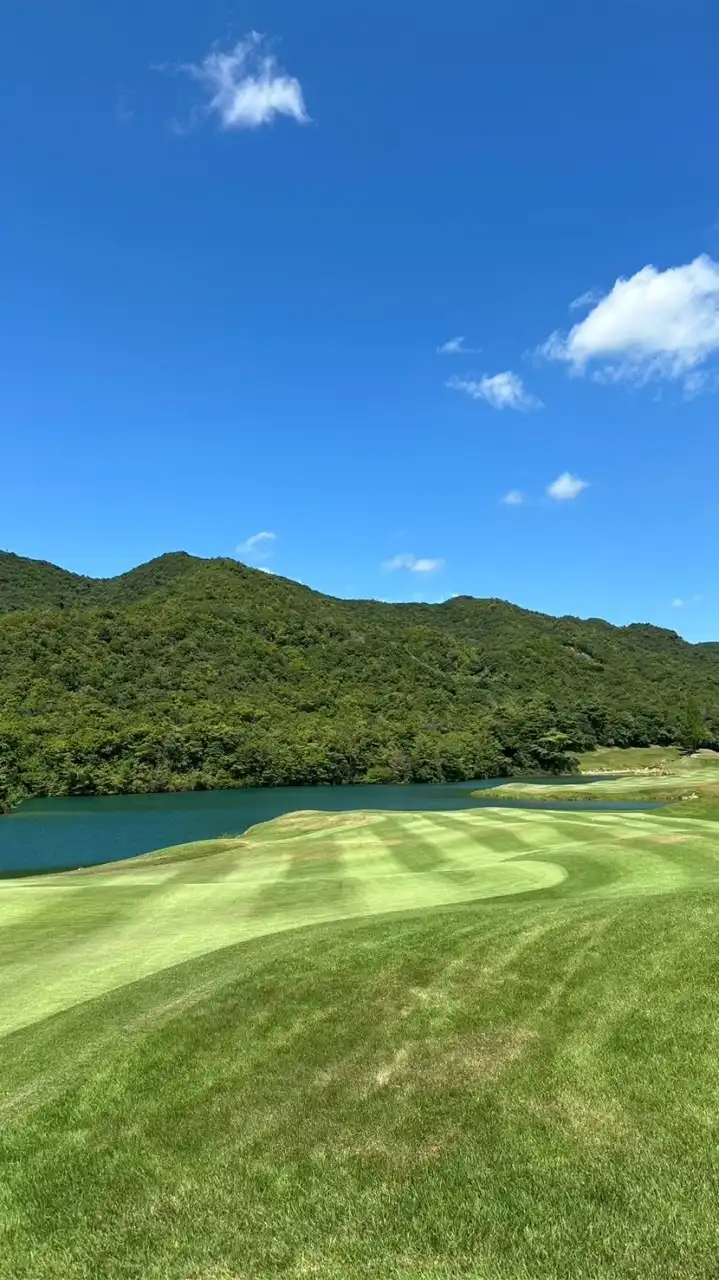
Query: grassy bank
point(620, 759)
point(684, 779)
point(339, 1081)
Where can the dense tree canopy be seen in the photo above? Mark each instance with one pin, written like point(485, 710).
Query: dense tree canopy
point(190, 673)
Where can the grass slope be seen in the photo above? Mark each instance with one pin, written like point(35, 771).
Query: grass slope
point(620, 759)
point(522, 1082)
point(683, 778)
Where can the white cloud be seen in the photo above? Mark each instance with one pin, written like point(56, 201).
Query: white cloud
point(415, 565)
point(679, 603)
point(501, 390)
point(256, 539)
point(514, 498)
point(399, 562)
point(427, 566)
point(246, 86)
point(656, 324)
point(587, 299)
point(259, 546)
point(456, 347)
point(566, 487)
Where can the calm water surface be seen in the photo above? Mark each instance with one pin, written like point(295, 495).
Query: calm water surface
point(44, 835)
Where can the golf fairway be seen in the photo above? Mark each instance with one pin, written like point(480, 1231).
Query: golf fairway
point(70, 937)
point(478, 1044)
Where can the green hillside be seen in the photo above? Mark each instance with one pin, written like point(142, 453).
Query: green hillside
point(36, 584)
point(191, 673)
point(220, 1062)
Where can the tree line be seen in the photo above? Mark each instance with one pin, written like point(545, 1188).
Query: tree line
point(190, 674)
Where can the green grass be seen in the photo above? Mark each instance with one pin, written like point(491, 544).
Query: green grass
point(614, 759)
point(686, 778)
point(414, 1046)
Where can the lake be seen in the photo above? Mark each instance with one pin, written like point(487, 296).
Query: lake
point(81, 831)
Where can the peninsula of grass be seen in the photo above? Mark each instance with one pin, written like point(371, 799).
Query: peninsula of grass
point(416, 1046)
point(686, 778)
point(629, 759)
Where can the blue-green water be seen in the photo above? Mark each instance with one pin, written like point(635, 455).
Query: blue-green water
point(45, 835)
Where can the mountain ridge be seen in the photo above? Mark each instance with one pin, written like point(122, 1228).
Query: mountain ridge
point(189, 672)
point(93, 591)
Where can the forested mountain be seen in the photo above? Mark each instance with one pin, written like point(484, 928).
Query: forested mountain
point(36, 584)
point(203, 673)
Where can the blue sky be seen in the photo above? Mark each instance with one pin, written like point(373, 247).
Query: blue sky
point(230, 264)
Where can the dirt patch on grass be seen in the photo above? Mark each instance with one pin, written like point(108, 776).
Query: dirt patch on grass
point(392, 1150)
point(598, 1123)
point(481, 1056)
point(461, 1061)
point(669, 840)
point(391, 1069)
point(218, 1274)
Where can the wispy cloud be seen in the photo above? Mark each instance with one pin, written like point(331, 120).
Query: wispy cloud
point(456, 347)
point(413, 564)
point(500, 390)
point(680, 603)
point(259, 546)
point(124, 113)
point(246, 86)
point(696, 382)
point(514, 498)
point(588, 299)
point(566, 487)
point(653, 325)
point(256, 539)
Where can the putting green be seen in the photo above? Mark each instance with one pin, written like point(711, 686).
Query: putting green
point(67, 938)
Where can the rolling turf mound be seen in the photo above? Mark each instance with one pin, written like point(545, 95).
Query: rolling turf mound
point(74, 935)
point(267, 1057)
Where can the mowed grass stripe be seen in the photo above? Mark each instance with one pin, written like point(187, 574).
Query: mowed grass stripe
point(105, 929)
point(477, 864)
point(173, 920)
point(618, 852)
point(314, 883)
point(644, 854)
point(405, 872)
point(159, 923)
point(503, 1089)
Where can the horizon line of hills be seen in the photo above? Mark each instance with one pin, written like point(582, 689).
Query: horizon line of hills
point(27, 583)
point(187, 673)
